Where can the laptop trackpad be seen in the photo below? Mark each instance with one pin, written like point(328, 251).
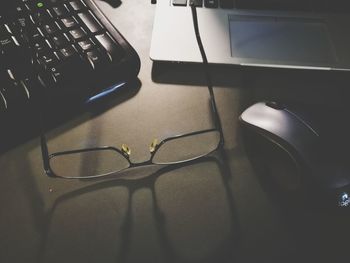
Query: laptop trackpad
point(280, 39)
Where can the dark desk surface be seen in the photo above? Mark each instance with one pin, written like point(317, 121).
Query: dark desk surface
point(211, 211)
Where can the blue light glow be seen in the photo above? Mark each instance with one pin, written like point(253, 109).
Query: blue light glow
point(105, 92)
point(344, 200)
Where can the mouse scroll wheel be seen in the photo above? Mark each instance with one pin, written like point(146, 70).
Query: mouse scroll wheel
point(275, 105)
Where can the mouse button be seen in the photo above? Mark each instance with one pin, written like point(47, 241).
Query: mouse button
point(275, 105)
point(261, 116)
point(277, 122)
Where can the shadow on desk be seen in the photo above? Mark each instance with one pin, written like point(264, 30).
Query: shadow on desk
point(113, 3)
point(214, 243)
point(193, 74)
point(311, 87)
point(28, 124)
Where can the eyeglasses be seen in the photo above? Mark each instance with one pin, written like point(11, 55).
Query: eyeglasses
point(104, 161)
point(108, 160)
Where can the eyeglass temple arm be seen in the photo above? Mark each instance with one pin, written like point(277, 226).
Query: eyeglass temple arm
point(206, 69)
point(43, 145)
point(44, 152)
point(217, 120)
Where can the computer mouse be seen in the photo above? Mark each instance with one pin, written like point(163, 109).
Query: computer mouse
point(302, 151)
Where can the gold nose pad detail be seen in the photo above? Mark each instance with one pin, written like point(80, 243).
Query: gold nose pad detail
point(126, 149)
point(153, 146)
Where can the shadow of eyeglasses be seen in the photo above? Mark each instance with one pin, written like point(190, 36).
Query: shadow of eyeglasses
point(225, 250)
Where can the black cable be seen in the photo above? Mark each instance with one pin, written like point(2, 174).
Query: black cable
point(201, 48)
point(205, 65)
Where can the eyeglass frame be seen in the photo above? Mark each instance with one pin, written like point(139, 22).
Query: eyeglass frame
point(48, 156)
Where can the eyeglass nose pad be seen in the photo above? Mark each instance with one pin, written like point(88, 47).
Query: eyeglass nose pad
point(153, 146)
point(126, 150)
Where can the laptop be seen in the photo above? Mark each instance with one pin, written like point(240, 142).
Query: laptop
point(306, 34)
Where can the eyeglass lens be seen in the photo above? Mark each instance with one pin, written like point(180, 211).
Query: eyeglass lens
point(98, 162)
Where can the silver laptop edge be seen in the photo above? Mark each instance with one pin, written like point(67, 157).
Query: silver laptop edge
point(252, 38)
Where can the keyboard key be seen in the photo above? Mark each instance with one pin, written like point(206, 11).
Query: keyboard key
point(42, 46)
point(97, 60)
point(30, 5)
point(90, 21)
point(35, 34)
point(14, 55)
point(42, 17)
point(54, 2)
point(228, 4)
point(20, 10)
point(13, 92)
point(47, 60)
point(67, 52)
point(17, 95)
point(5, 81)
point(24, 22)
point(114, 51)
point(8, 43)
point(5, 30)
point(86, 44)
point(25, 90)
point(53, 77)
point(60, 40)
point(211, 3)
point(3, 103)
point(69, 22)
point(60, 11)
point(179, 2)
point(71, 67)
point(78, 33)
point(34, 87)
point(77, 5)
point(51, 28)
point(197, 3)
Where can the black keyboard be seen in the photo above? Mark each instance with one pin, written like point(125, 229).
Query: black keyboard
point(323, 6)
point(59, 51)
